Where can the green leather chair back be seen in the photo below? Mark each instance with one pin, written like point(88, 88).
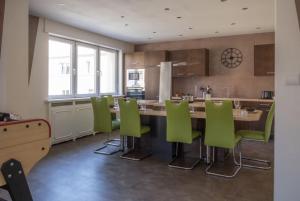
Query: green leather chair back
point(269, 122)
point(102, 115)
point(219, 131)
point(110, 100)
point(179, 123)
point(130, 122)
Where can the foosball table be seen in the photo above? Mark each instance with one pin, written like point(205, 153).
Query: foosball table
point(22, 145)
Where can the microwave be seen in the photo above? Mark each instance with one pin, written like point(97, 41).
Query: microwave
point(135, 78)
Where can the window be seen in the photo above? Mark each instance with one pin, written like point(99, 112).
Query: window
point(60, 68)
point(86, 70)
point(79, 69)
point(108, 71)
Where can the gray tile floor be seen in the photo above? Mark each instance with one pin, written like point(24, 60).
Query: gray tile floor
point(72, 172)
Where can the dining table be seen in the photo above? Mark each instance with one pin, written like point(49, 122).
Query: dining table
point(156, 119)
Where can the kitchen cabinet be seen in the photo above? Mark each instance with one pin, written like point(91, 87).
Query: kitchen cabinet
point(149, 61)
point(264, 60)
point(152, 73)
point(135, 60)
point(187, 63)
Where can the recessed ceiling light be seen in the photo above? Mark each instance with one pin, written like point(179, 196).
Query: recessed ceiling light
point(126, 25)
point(258, 27)
point(179, 17)
point(216, 32)
point(60, 4)
point(167, 9)
point(233, 23)
point(154, 32)
point(223, 0)
point(190, 28)
point(180, 35)
point(245, 8)
point(122, 16)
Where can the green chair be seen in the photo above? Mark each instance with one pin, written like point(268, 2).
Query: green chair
point(130, 126)
point(259, 136)
point(179, 130)
point(103, 122)
point(219, 132)
point(111, 102)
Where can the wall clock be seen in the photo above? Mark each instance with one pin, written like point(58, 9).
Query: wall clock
point(231, 58)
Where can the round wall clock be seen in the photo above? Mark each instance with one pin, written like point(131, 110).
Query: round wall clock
point(232, 58)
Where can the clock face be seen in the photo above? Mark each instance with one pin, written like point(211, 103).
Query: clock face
point(232, 58)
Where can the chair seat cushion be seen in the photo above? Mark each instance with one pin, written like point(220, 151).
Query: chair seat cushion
point(145, 129)
point(237, 139)
point(196, 134)
point(252, 135)
point(115, 124)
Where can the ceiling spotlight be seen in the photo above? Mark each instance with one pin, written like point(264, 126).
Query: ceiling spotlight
point(258, 27)
point(126, 25)
point(233, 23)
point(154, 32)
point(167, 9)
point(245, 8)
point(179, 17)
point(122, 16)
point(190, 28)
point(223, 0)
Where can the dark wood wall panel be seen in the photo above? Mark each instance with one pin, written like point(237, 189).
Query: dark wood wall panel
point(33, 26)
point(2, 8)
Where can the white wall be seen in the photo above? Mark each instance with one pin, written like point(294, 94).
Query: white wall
point(14, 59)
point(287, 117)
point(38, 88)
point(16, 95)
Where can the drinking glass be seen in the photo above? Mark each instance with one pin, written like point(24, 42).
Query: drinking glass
point(237, 104)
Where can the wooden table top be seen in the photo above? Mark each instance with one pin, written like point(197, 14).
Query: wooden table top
point(155, 103)
point(239, 115)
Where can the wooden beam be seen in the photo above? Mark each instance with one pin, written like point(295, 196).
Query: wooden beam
point(33, 26)
point(2, 9)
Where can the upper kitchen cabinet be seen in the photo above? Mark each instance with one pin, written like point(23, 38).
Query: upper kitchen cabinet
point(190, 62)
point(153, 58)
point(135, 60)
point(264, 60)
point(144, 59)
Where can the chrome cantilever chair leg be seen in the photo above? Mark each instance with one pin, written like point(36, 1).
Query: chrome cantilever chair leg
point(103, 149)
point(239, 164)
point(267, 166)
point(172, 165)
point(131, 154)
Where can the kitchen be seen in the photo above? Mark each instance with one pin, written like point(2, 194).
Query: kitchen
point(198, 64)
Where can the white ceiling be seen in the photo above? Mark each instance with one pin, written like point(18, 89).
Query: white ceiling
point(206, 17)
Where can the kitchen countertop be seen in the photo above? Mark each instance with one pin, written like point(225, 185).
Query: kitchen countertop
point(240, 99)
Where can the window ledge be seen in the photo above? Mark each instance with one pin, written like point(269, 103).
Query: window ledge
point(59, 100)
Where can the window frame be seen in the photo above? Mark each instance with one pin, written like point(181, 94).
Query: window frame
point(72, 43)
point(74, 68)
point(117, 69)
